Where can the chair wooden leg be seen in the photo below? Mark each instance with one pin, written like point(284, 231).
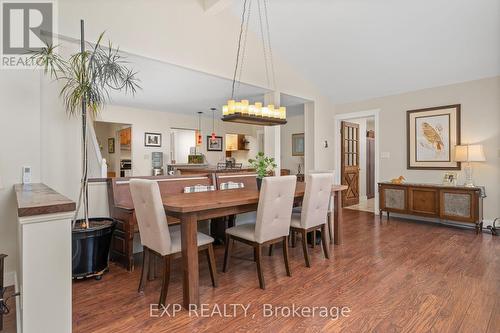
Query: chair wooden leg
point(271, 249)
point(254, 254)
point(313, 238)
point(324, 241)
point(211, 265)
point(152, 267)
point(227, 253)
point(304, 248)
point(294, 238)
point(330, 227)
point(145, 269)
point(166, 280)
point(285, 255)
point(259, 267)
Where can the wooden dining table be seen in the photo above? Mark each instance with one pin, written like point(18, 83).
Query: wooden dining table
point(191, 208)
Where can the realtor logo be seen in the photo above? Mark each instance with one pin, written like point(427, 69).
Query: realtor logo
point(26, 26)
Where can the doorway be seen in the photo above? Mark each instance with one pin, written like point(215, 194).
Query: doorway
point(115, 145)
point(356, 159)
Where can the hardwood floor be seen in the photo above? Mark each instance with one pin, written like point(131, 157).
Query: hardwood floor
point(394, 276)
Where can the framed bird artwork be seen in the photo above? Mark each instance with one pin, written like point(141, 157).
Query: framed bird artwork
point(432, 135)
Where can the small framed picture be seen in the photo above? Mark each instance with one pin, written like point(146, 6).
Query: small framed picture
point(152, 139)
point(215, 144)
point(450, 178)
point(111, 145)
point(298, 144)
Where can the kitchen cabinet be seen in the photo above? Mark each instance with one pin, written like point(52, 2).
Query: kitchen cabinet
point(126, 136)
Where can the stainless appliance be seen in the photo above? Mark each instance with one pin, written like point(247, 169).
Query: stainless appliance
point(157, 163)
point(125, 168)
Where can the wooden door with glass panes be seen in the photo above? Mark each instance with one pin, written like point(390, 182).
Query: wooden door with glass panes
point(350, 163)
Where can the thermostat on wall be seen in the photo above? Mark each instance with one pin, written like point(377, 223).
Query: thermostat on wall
point(26, 175)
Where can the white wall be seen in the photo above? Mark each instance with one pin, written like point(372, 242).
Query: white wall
point(294, 125)
point(19, 146)
point(480, 116)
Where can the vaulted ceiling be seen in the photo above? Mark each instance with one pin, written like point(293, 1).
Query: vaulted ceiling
point(359, 49)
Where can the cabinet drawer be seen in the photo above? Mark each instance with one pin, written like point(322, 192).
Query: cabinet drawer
point(423, 201)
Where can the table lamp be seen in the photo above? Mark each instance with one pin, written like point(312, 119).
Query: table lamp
point(468, 154)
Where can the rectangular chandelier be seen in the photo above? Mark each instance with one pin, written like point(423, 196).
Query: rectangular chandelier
point(254, 114)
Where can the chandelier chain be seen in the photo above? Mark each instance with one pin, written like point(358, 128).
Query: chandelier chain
point(269, 45)
point(239, 47)
point(243, 52)
point(264, 46)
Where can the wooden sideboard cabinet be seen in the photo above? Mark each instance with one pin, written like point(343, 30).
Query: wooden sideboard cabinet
point(448, 203)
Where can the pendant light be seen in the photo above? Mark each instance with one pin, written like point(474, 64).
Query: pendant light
point(242, 111)
point(213, 124)
point(199, 138)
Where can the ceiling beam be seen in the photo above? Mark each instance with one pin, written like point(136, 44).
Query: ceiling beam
point(214, 6)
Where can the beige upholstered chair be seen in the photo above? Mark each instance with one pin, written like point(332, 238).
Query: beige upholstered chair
point(272, 223)
point(156, 237)
point(330, 209)
point(314, 211)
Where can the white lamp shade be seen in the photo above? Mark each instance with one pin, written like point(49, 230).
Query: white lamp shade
point(1, 184)
point(469, 153)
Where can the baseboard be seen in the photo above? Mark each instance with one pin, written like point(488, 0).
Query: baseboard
point(10, 279)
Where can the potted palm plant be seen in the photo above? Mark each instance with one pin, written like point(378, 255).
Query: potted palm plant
point(88, 77)
point(263, 165)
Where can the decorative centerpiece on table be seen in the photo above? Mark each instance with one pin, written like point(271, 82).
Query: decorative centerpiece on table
point(263, 165)
point(88, 77)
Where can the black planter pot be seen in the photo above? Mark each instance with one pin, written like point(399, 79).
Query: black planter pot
point(259, 183)
point(91, 247)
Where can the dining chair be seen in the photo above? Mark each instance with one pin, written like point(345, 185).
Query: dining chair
point(272, 223)
point(314, 213)
point(156, 237)
point(330, 209)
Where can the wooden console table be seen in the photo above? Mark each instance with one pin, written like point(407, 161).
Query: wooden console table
point(448, 203)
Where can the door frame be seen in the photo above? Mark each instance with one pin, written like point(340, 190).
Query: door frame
point(354, 115)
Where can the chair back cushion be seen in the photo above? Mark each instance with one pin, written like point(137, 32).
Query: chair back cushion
point(275, 208)
point(150, 215)
point(316, 199)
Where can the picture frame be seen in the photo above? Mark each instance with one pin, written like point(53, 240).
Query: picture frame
point(214, 145)
point(152, 139)
point(450, 178)
point(111, 145)
point(298, 144)
point(432, 134)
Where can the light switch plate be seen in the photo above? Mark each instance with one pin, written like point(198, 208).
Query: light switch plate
point(385, 154)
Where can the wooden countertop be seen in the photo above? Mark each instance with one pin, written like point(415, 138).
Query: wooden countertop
point(189, 202)
point(39, 199)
